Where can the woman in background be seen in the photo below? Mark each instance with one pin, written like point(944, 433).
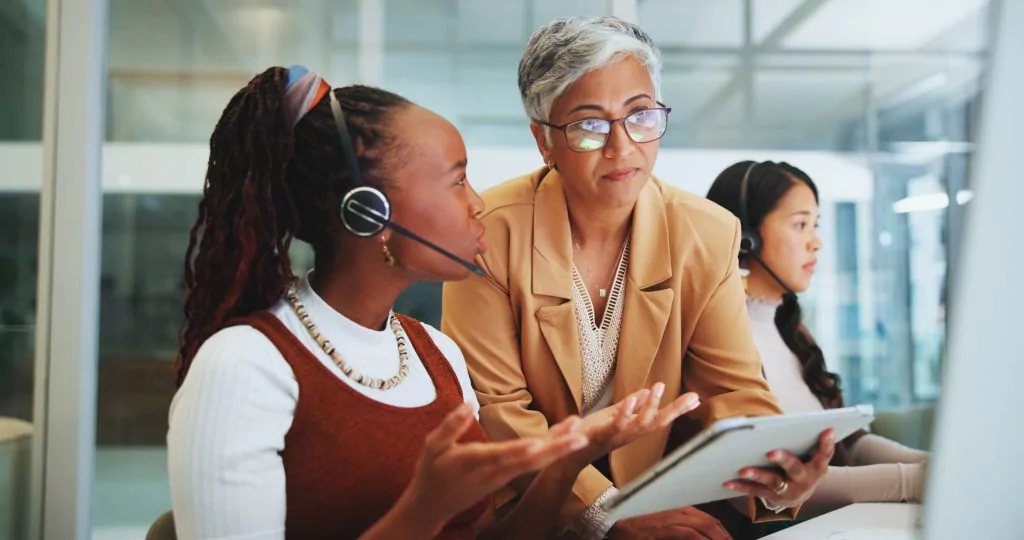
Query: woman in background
point(778, 208)
point(307, 408)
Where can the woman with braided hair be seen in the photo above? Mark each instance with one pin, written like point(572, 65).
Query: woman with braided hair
point(777, 204)
point(306, 408)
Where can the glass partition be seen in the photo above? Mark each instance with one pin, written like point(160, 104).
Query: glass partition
point(22, 61)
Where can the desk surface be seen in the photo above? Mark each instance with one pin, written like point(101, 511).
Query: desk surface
point(877, 521)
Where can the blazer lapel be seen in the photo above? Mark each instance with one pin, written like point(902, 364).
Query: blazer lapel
point(645, 312)
point(552, 276)
point(565, 346)
point(552, 241)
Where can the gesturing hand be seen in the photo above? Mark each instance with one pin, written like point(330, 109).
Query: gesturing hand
point(452, 476)
point(633, 417)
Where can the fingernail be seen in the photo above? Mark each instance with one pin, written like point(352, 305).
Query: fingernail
point(578, 444)
point(630, 405)
point(533, 448)
point(775, 456)
point(748, 474)
point(729, 485)
point(659, 389)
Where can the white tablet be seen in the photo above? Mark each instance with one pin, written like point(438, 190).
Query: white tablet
point(695, 472)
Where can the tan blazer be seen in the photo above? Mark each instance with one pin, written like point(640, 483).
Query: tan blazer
point(684, 319)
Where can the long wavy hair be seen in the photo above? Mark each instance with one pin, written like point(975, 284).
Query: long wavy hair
point(267, 183)
point(768, 183)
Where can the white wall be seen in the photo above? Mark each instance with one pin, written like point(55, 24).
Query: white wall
point(174, 168)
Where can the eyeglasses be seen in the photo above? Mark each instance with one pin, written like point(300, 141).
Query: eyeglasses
point(589, 134)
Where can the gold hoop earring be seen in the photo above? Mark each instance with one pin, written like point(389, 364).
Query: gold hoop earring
point(552, 166)
point(389, 259)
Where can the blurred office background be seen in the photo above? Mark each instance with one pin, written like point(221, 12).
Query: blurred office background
point(876, 99)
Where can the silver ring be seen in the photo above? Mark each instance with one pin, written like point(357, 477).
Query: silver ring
point(783, 488)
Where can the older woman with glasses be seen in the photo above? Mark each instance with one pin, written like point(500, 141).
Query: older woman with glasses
point(602, 280)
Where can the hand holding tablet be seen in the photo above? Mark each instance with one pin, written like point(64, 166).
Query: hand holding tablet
point(793, 482)
point(698, 471)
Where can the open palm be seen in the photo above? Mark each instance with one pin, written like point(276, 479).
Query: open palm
point(633, 417)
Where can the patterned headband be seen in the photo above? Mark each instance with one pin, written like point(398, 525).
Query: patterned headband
point(305, 89)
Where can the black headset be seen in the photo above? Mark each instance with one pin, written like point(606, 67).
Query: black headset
point(365, 210)
point(750, 237)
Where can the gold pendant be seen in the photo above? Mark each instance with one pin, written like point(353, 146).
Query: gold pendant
point(602, 293)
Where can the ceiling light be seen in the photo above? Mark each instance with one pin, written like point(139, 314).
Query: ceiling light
point(921, 203)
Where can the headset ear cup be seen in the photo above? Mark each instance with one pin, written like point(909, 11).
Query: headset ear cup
point(750, 240)
point(750, 244)
point(359, 206)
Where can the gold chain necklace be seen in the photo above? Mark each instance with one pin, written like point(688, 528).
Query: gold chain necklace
point(602, 292)
point(328, 348)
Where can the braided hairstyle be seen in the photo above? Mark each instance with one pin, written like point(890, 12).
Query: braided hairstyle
point(267, 183)
point(768, 183)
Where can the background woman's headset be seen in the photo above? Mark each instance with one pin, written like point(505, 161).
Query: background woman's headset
point(750, 238)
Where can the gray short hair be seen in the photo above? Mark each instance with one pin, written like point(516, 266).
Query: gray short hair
point(564, 50)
